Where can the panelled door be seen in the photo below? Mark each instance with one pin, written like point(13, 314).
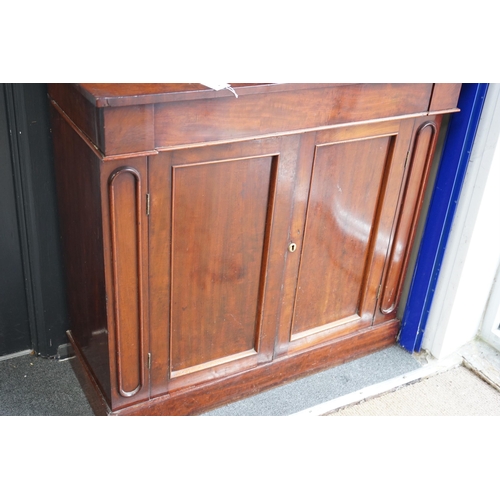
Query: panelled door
point(265, 247)
point(218, 236)
point(346, 200)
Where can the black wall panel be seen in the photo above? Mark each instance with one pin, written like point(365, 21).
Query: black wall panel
point(35, 265)
point(14, 320)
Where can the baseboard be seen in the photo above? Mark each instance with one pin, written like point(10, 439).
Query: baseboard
point(16, 355)
point(65, 351)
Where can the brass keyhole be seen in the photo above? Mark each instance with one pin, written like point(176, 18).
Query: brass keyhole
point(292, 247)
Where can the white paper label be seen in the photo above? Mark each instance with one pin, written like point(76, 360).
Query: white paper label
point(220, 86)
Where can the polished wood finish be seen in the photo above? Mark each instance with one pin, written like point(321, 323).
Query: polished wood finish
point(219, 241)
point(127, 129)
point(343, 238)
point(223, 269)
point(444, 97)
point(125, 241)
point(418, 167)
point(338, 230)
point(126, 94)
point(127, 124)
point(236, 243)
point(230, 119)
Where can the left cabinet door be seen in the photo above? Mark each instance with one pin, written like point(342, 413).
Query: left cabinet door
point(219, 226)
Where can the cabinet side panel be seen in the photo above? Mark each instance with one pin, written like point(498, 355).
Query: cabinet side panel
point(341, 213)
point(78, 188)
point(77, 108)
point(219, 218)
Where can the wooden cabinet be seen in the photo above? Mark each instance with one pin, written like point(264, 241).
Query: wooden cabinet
point(216, 247)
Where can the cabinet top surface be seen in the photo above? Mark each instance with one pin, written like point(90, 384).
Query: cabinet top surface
point(127, 94)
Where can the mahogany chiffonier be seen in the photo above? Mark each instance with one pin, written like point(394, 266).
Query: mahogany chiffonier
point(216, 246)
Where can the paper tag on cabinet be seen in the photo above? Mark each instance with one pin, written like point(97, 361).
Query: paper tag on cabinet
point(220, 86)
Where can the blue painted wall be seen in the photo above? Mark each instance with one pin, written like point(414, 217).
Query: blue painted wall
point(449, 180)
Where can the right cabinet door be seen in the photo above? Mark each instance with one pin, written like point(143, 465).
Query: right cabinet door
point(351, 193)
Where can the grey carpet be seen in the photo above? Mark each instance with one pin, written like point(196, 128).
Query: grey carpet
point(31, 386)
point(34, 386)
point(324, 386)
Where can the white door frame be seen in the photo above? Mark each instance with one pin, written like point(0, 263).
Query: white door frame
point(472, 256)
point(490, 329)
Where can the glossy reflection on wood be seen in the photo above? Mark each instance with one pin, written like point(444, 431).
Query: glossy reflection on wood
point(343, 199)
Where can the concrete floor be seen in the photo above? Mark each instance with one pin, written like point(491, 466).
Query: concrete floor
point(457, 392)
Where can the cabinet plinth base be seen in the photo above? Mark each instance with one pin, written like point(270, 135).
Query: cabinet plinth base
point(205, 397)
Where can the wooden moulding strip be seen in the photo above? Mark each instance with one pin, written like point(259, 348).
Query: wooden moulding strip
point(210, 364)
point(117, 278)
point(443, 112)
point(302, 131)
point(196, 400)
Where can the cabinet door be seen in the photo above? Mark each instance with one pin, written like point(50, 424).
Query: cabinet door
point(218, 214)
point(345, 206)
